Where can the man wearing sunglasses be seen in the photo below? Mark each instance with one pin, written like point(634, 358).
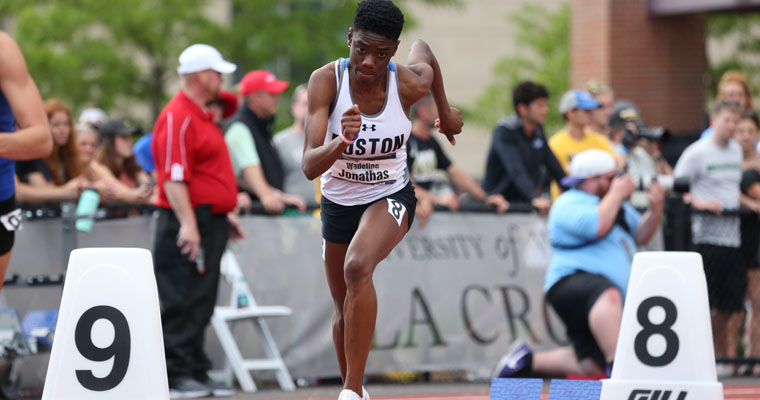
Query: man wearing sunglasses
point(594, 232)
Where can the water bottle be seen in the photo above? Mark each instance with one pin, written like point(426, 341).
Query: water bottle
point(241, 293)
point(88, 205)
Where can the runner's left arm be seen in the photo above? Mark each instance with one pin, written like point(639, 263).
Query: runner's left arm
point(423, 74)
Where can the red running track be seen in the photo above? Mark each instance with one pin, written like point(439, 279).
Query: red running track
point(744, 392)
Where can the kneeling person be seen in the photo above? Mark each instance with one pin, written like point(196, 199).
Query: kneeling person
point(594, 232)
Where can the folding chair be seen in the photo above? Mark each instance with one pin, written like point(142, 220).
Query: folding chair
point(243, 307)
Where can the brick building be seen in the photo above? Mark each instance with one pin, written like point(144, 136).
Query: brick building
point(649, 51)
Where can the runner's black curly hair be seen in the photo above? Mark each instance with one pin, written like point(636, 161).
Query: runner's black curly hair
point(379, 16)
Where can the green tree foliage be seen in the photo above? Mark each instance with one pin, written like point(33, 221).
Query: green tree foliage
point(108, 53)
point(293, 38)
point(118, 54)
point(542, 55)
point(741, 31)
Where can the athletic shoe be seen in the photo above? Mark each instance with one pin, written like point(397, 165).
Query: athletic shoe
point(517, 362)
point(348, 394)
point(608, 370)
point(188, 388)
point(365, 394)
point(219, 389)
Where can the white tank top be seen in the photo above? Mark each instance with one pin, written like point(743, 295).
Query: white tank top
point(375, 165)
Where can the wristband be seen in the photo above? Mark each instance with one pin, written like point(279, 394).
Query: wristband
point(347, 140)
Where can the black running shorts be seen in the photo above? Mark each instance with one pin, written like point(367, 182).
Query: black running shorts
point(10, 222)
point(339, 223)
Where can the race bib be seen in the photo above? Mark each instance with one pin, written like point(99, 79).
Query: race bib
point(365, 171)
point(12, 220)
point(396, 209)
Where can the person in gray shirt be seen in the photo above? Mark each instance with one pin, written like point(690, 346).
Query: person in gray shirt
point(713, 167)
point(289, 144)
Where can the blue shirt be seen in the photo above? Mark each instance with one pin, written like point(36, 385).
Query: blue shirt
point(144, 153)
point(7, 167)
point(573, 223)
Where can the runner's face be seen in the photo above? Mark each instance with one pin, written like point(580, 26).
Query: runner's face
point(370, 54)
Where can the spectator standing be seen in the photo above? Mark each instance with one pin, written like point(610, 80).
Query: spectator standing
point(59, 177)
point(644, 162)
point(92, 116)
point(600, 116)
point(576, 106)
point(249, 139)
point(64, 162)
point(425, 157)
point(594, 232)
point(713, 168)
point(24, 134)
point(747, 136)
point(289, 144)
point(733, 88)
point(520, 163)
point(116, 163)
point(196, 199)
point(87, 141)
point(223, 108)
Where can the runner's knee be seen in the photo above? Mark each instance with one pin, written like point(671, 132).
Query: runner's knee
point(357, 271)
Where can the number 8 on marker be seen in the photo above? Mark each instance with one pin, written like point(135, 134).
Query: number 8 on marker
point(649, 329)
point(119, 349)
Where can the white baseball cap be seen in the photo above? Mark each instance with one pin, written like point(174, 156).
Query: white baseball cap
point(92, 116)
point(200, 57)
point(587, 164)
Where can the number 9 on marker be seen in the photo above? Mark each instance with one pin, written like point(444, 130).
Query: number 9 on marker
point(119, 349)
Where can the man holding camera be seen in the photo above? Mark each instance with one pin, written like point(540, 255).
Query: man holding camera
point(644, 162)
point(713, 167)
point(594, 232)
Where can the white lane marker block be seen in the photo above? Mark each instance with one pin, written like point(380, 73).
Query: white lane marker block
point(108, 342)
point(665, 349)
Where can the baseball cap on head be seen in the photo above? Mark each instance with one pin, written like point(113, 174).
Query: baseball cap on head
point(258, 80)
point(587, 164)
point(117, 127)
point(625, 111)
point(577, 99)
point(200, 57)
point(92, 116)
point(228, 101)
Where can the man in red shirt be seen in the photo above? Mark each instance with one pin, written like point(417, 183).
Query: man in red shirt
point(197, 195)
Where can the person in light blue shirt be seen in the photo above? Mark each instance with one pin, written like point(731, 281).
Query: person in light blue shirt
point(594, 232)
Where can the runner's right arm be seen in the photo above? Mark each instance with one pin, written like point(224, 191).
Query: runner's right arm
point(317, 156)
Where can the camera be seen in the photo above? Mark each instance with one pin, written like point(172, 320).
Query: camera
point(630, 136)
point(669, 182)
